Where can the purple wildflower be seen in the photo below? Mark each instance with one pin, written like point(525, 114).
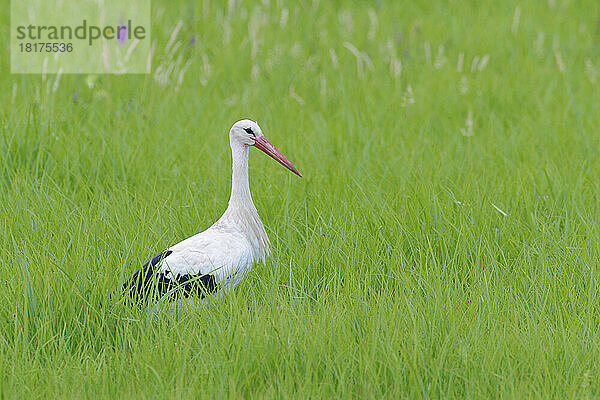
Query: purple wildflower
point(122, 33)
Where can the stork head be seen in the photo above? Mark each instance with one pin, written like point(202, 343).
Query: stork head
point(248, 133)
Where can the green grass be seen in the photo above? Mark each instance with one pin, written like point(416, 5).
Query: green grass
point(411, 261)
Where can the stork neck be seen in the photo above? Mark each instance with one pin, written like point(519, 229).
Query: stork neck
point(241, 210)
point(240, 187)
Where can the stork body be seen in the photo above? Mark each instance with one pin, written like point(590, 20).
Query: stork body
point(218, 258)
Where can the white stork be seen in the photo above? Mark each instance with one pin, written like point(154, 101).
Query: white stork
point(218, 258)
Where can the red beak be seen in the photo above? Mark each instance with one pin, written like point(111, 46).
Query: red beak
point(263, 144)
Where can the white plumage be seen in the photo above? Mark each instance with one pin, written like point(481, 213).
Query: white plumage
point(219, 257)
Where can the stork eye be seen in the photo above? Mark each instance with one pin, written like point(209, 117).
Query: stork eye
point(249, 130)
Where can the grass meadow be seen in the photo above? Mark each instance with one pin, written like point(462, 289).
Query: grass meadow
point(443, 243)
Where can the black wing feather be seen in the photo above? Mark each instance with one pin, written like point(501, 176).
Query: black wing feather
point(146, 282)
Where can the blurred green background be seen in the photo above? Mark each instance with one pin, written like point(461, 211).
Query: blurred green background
point(443, 242)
